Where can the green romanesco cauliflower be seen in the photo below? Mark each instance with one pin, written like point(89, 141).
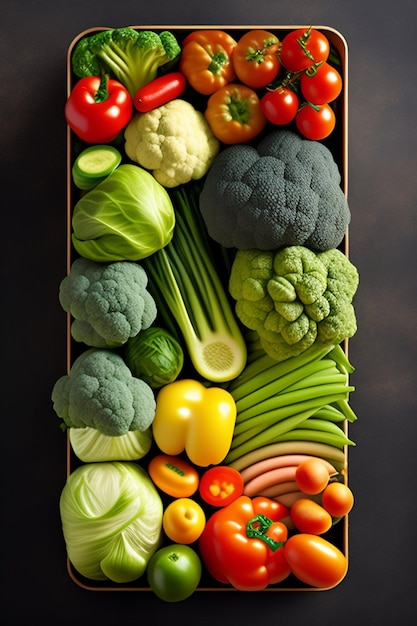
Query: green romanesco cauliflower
point(295, 297)
point(174, 141)
point(100, 392)
point(108, 301)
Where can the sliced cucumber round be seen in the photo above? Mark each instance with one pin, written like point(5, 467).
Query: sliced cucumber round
point(94, 164)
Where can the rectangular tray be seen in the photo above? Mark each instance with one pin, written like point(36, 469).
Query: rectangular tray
point(337, 143)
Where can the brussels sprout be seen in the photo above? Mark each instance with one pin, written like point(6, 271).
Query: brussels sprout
point(154, 356)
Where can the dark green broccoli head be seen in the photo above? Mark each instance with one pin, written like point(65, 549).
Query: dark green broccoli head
point(284, 192)
point(100, 392)
point(109, 302)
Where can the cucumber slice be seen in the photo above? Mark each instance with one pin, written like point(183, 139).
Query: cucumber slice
point(94, 164)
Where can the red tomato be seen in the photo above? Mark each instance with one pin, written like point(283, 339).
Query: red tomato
point(311, 476)
point(302, 48)
point(255, 59)
point(159, 91)
point(315, 122)
point(280, 106)
point(220, 485)
point(310, 517)
point(322, 85)
point(337, 499)
point(315, 561)
point(97, 109)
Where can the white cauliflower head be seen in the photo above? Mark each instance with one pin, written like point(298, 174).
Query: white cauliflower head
point(174, 141)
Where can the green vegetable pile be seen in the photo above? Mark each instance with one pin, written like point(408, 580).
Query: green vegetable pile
point(198, 261)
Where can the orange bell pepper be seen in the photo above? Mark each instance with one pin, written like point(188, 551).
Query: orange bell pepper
point(234, 114)
point(242, 544)
point(206, 60)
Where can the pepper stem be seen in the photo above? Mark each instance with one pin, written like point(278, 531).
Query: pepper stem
point(257, 527)
point(102, 92)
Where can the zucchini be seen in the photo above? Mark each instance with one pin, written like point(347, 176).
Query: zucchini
point(94, 164)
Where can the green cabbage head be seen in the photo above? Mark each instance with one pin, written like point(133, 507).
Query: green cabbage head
point(111, 517)
point(126, 217)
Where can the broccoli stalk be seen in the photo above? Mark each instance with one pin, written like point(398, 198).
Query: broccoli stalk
point(187, 288)
point(130, 56)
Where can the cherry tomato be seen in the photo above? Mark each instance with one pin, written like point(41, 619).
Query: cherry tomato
point(255, 59)
point(97, 109)
point(322, 85)
point(220, 485)
point(314, 560)
point(311, 476)
point(280, 106)
point(159, 91)
point(302, 48)
point(234, 114)
point(174, 572)
point(173, 475)
point(310, 517)
point(315, 122)
point(183, 520)
point(337, 499)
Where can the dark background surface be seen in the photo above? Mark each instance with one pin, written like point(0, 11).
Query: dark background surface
point(380, 585)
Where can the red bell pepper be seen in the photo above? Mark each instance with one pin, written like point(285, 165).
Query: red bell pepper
point(98, 108)
point(243, 543)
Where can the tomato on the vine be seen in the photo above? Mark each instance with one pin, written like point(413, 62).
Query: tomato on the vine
point(315, 122)
point(302, 48)
point(255, 59)
point(280, 105)
point(321, 85)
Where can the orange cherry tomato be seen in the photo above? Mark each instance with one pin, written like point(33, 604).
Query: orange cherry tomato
point(183, 520)
point(311, 476)
point(315, 561)
point(173, 475)
point(234, 114)
point(337, 499)
point(220, 485)
point(309, 517)
point(255, 58)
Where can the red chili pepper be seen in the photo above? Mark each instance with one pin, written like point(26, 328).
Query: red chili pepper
point(159, 91)
point(98, 108)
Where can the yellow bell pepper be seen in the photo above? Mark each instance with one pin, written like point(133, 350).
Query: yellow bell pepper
point(196, 419)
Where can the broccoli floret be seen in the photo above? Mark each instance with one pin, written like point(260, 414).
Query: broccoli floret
point(284, 192)
point(100, 392)
point(108, 301)
point(295, 297)
point(130, 56)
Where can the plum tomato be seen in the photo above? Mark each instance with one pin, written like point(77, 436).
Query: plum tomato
point(337, 499)
point(220, 485)
point(309, 517)
point(315, 122)
point(315, 561)
point(322, 85)
point(174, 572)
point(302, 48)
point(183, 520)
point(312, 476)
point(280, 105)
